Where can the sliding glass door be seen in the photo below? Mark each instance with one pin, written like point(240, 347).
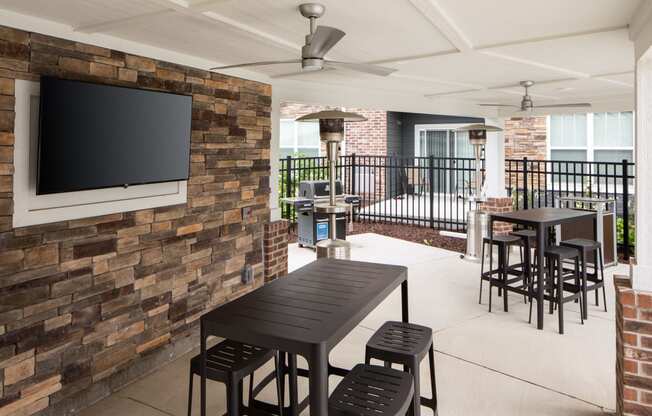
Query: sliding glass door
point(447, 145)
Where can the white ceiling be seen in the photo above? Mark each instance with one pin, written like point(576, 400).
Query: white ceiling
point(464, 50)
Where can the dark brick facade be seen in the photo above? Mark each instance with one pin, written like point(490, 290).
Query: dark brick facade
point(633, 349)
point(88, 305)
point(275, 249)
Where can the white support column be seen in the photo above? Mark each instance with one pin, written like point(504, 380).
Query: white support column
point(274, 155)
point(642, 276)
point(495, 160)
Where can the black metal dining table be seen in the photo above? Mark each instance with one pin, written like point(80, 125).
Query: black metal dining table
point(307, 313)
point(541, 219)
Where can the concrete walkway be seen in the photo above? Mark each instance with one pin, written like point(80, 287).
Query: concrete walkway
point(486, 363)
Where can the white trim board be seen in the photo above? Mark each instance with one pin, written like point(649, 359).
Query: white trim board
point(32, 209)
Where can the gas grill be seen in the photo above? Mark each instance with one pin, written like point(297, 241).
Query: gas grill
point(312, 222)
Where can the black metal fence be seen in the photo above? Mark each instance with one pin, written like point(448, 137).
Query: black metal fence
point(424, 191)
point(538, 183)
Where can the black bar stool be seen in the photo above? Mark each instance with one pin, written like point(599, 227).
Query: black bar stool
point(406, 344)
point(586, 248)
point(529, 241)
point(369, 390)
point(556, 282)
point(503, 242)
point(230, 362)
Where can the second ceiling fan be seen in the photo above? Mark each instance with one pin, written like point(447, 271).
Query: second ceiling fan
point(528, 105)
point(319, 41)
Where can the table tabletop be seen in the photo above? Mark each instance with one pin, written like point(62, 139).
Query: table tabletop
point(542, 216)
point(319, 303)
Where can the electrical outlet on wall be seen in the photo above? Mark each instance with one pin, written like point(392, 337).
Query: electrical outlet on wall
point(247, 274)
point(247, 212)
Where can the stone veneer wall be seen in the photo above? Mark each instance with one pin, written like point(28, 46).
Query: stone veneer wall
point(275, 249)
point(88, 305)
point(633, 349)
point(525, 137)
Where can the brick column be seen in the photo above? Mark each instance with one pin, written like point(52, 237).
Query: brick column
point(496, 205)
point(633, 349)
point(275, 249)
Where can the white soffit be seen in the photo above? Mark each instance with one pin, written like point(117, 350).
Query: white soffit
point(473, 68)
point(375, 29)
point(444, 49)
point(493, 22)
point(606, 52)
point(198, 37)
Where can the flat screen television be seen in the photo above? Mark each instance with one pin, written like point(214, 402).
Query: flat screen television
point(95, 136)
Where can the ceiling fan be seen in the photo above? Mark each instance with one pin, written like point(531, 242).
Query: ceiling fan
point(319, 41)
point(528, 105)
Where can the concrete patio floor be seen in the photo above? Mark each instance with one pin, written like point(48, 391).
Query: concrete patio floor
point(486, 363)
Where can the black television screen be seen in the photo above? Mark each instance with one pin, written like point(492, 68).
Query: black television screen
point(97, 136)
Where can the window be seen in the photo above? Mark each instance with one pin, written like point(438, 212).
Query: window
point(299, 138)
point(599, 137)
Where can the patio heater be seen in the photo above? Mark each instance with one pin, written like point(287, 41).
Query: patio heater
point(331, 131)
point(476, 224)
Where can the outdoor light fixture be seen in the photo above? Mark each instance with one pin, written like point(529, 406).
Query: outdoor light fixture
point(331, 131)
point(477, 221)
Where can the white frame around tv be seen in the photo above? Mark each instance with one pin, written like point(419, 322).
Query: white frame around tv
point(32, 209)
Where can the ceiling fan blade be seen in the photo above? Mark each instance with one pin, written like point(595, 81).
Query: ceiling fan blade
point(577, 105)
point(382, 71)
point(261, 63)
point(322, 41)
point(300, 73)
point(499, 105)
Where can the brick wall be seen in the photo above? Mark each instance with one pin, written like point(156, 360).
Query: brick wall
point(90, 304)
point(364, 138)
point(633, 349)
point(497, 205)
point(275, 249)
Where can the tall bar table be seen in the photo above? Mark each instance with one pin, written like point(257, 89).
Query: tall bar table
point(307, 313)
point(541, 219)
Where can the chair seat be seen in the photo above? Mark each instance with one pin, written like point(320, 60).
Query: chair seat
point(371, 390)
point(400, 341)
point(525, 233)
point(562, 252)
point(231, 358)
point(503, 239)
point(581, 244)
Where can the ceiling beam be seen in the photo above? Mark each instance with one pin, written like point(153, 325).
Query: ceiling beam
point(435, 14)
point(168, 9)
point(109, 25)
point(216, 18)
point(640, 19)
point(402, 59)
point(566, 35)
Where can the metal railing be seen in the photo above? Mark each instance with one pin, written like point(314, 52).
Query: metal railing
point(424, 191)
point(433, 192)
point(537, 183)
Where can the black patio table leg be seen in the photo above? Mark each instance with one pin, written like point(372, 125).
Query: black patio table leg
point(318, 379)
point(404, 301)
point(541, 244)
point(202, 367)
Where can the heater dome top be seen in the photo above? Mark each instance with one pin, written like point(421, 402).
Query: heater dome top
point(479, 127)
point(331, 115)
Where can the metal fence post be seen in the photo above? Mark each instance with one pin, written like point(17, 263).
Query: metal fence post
point(353, 174)
point(525, 190)
point(288, 185)
point(431, 179)
point(625, 175)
